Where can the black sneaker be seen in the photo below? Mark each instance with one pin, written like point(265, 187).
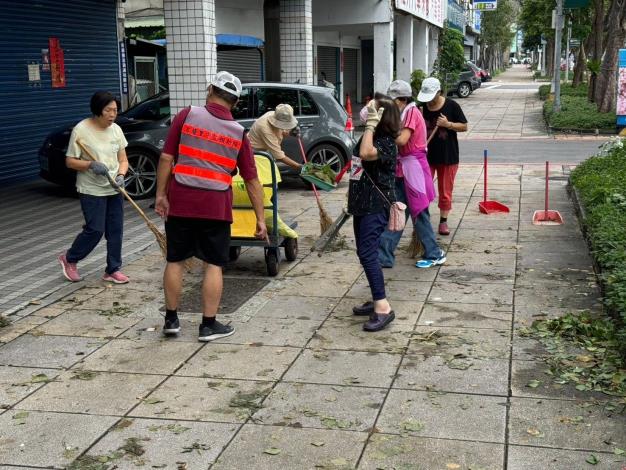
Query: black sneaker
point(171, 327)
point(215, 331)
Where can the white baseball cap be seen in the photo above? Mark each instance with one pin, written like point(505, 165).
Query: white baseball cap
point(430, 87)
point(399, 89)
point(228, 82)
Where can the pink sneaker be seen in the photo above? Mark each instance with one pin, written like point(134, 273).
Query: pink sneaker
point(70, 271)
point(118, 277)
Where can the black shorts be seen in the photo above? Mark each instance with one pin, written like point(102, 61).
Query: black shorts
point(208, 240)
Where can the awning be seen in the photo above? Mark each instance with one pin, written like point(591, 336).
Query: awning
point(238, 40)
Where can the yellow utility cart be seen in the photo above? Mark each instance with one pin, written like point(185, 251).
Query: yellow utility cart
point(244, 220)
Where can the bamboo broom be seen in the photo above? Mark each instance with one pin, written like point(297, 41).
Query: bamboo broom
point(160, 237)
point(416, 248)
point(325, 220)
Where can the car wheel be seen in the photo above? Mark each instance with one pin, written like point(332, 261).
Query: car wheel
point(325, 154)
point(464, 90)
point(141, 177)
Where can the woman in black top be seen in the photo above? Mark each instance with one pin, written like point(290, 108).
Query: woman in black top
point(443, 149)
point(371, 193)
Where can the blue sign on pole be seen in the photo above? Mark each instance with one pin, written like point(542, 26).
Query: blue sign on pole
point(477, 20)
point(621, 90)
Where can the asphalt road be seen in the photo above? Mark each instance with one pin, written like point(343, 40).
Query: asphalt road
point(528, 151)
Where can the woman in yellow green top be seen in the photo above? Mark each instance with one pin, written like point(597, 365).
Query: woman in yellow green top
point(102, 205)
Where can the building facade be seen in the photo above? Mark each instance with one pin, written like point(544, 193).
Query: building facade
point(53, 56)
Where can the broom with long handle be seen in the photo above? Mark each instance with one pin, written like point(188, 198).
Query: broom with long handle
point(325, 220)
point(416, 248)
point(160, 237)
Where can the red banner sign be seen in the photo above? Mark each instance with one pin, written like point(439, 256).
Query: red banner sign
point(57, 63)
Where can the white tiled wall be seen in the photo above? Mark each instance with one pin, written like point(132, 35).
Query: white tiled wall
point(191, 52)
point(296, 41)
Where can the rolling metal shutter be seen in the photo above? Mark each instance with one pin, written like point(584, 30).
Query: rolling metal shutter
point(245, 63)
point(87, 31)
point(350, 71)
point(327, 58)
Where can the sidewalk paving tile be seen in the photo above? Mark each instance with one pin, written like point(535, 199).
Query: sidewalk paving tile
point(296, 308)
point(204, 399)
point(354, 368)
point(441, 314)
point(533, 458)
point(234, 361)
point(273, 447)
point(446, 373)
point(348, 334)
point(386, 451)
point(87, 323)
point(19, 327)
point(471, 293)
point(535, 373)
point(565, 424)
point(141, 357)
point(321, 407)
point(96, 393)
point(460, 345)
point(312, 286)
point(164, 444)
point(35, 438)
point(47, 351)
point(439, 415)
point(478, 273)
point(16, 383)
point(280, 332)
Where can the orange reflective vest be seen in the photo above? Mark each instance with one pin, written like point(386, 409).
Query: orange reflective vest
point(208, 150)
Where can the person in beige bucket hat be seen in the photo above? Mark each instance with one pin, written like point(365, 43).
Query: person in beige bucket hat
point(268, 132)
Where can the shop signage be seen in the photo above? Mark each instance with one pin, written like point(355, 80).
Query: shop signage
point(456, 16)
point(621, 89)
point(123, 67)
point(430, 10)
point(478, 19)
point(485, 5)
point(57, 63)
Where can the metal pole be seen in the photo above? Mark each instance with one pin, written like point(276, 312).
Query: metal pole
point(567, 49)
point(557, 55)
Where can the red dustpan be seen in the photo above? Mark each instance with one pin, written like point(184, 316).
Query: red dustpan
point(547, 217)
point(489, 207)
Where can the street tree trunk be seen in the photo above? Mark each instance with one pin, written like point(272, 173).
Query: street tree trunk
point(550, 57)
point(596, 43)
point(606, 83)
point(579, 69)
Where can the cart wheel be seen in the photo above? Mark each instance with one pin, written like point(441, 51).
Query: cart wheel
point(234, 252)
point(271, 260)
point(291, 249)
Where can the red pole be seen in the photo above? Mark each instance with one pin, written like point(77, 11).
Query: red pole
point(545, 214)
point(485, 178)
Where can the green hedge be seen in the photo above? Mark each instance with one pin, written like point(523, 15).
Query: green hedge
point(601, 184)
point(578, 114)
point(566, 90)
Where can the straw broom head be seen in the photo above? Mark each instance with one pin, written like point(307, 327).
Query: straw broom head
point(415, 248)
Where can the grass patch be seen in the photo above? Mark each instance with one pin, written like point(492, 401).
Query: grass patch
point(578, 114)
point(4, 321)
point(601, 184)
